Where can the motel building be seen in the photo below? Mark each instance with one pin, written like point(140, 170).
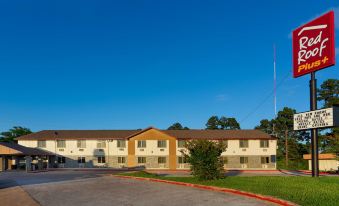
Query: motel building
point(150, 148)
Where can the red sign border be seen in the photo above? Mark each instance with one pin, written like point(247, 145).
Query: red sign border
point(331, 38)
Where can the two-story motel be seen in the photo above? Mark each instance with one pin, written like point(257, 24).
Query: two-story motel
point(152, 148)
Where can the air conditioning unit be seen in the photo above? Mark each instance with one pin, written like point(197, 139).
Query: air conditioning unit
point(243, 166)
point(265, 166)
point(61, 150)
point(161, 165)
point(161, 150)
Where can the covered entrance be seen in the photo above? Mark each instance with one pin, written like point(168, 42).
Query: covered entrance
point(15, 157)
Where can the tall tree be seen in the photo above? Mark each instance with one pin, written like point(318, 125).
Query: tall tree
point(265, 126)
point(291, 144)
point(329, 94)
point(284, 127)
point(13, 133)
point(213, 123)
point(228, 123)
point(177, 126)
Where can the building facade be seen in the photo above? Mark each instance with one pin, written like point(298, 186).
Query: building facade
point(151, 148)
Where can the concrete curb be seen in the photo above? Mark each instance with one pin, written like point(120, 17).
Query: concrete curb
point(217, 189)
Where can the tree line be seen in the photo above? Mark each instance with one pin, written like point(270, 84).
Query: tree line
point(291, 144)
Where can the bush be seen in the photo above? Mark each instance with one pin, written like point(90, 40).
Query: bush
point(204, 158)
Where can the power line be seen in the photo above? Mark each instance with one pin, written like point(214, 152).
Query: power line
point(266, 98)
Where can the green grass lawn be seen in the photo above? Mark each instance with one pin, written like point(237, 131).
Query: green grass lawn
point(301, 190)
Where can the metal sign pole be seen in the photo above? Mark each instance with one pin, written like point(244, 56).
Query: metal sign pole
point(314, 132)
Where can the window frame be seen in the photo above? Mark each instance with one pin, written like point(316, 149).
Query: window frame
point(160, 142)
point(61, 160)
point(244, 160)
point(41, 141)
point(81, 143)
point(142, 158)
point(101, 159)
point(182, 160)
point(119, 142)
point(162, 162)
point(242, 141)
point(58, 143)
point(81, 160)
point(262, 145)
point(120, 160)
point(101, 144)
point(265, 160)
point(181, 146)
point(141, 145)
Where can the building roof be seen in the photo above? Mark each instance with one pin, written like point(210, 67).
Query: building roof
point(325, 156)
point(126, 134)
point(7, 148)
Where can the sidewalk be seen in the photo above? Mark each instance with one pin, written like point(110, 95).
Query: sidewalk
point(16, 196)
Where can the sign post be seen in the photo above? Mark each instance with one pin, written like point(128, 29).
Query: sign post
point(314, 131)
point(314, 49)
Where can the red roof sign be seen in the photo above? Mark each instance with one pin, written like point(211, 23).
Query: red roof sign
point(313, 45)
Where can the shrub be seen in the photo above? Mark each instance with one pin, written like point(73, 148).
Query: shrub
point(204, 158)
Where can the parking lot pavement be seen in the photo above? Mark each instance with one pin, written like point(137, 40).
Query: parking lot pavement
point(92, 188)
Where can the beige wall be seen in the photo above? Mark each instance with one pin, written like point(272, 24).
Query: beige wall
point(131, 152)
point(325, 165)
point(151, 136)
point(72, 149)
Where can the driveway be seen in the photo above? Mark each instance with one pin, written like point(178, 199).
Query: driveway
point(100, 188)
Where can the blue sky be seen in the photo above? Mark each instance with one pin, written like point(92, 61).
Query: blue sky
point(133, 64)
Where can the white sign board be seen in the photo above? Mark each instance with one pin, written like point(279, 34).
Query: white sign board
point(321, 118)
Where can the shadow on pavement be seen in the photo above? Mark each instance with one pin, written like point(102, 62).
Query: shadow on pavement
point(20, 178)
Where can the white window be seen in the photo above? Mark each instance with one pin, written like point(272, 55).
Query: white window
point(243, 143)
point(81, 160)
point(181, 143)
point(121, 160)
point(161, 160)
point(81, 143)
point(264, 144)
point(265, 160)
point(42, 143)
point(61, 143)
point(243, 160)
point(182, 160)
point(121, 143)
point(101, 159)
point(141, 160)
point(141, 143)
point(101, 144)
point(162, 143)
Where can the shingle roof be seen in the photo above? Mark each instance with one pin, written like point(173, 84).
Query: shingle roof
point(218, 134)
point(25, 150)
point(78, 134)
point(125, 134)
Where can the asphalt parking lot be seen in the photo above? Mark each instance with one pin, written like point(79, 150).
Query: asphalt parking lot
point(101, 188)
